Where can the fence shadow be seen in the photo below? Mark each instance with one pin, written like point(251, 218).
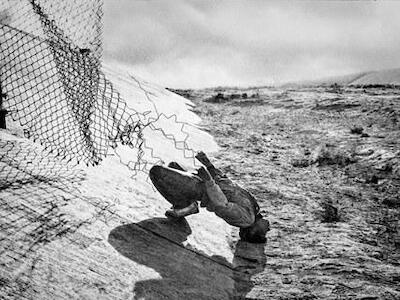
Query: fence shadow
point(184, 274)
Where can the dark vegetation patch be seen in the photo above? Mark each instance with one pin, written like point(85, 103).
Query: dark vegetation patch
point(330, 212)
point(327, 155)
point(336, 106)
point(231, 97)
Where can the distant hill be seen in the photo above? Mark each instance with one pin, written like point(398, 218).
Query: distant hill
point(380, 77)
point(391, 77)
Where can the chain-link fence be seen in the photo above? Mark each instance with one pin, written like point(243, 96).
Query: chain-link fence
point(53, 86)
point(55, 92)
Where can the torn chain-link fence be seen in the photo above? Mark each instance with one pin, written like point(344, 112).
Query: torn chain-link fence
point(55, 89)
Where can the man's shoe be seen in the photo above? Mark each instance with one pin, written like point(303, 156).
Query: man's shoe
point(183, 212)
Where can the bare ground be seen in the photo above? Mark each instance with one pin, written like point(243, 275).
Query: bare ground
point(324, 164)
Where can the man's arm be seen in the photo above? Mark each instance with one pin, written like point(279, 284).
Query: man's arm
point(232, 213)
point(215, 173)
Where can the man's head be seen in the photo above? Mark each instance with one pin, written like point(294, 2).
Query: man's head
point(256, 232)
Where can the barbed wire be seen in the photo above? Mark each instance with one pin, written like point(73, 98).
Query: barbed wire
point(51, 73)
point(53, 88)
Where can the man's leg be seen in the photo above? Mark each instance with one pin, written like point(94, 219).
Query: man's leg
point(176, 166)
point(179, 188)
point(186, 211)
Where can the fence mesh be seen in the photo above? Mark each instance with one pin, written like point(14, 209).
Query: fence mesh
point(53, 85)
point(54, 89)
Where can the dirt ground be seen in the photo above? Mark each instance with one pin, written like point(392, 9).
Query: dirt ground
point(323, 162)
point(325, 166)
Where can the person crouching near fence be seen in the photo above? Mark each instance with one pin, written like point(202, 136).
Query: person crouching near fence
point(214, 190)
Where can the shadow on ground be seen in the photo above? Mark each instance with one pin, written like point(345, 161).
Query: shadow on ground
point(184, 274)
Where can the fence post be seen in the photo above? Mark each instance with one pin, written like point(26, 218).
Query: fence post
point(3, 111)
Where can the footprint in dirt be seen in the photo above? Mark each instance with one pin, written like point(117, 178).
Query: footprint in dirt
point(184, 274)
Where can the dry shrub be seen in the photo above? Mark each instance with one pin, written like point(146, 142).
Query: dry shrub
point(330, 213)
point(301, 162)
point(356, 130)
point(217, 98)
point(326, 155)
point(329, 155)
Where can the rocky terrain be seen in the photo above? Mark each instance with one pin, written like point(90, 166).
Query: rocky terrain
point(324, 163)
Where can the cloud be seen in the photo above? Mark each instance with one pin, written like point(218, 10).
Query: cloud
point(209, 43)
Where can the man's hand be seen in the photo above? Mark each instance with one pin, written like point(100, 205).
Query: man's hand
point(202, 157)
point(204, 174)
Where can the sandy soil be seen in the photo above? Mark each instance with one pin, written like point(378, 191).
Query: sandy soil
point(324, 164)
point(77, 232)
point(100, 232)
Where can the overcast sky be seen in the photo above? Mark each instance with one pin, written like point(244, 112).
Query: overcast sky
point(210, 43)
